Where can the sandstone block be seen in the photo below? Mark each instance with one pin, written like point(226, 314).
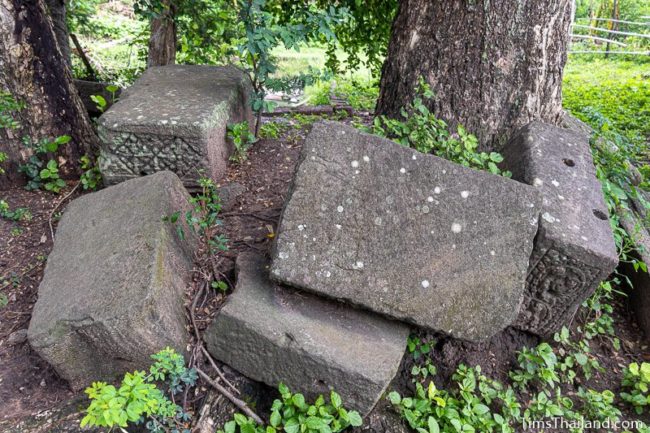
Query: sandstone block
point(112, 293)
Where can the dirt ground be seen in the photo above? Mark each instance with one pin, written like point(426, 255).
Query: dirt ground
point(34, 399)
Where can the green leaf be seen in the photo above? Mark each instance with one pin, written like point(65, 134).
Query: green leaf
point(63, 139)
point(481, 409)
point(275, 419)
point(394, 397)
point(336, 400)
point(355, 418)
point(292, 426)
point(433, 425)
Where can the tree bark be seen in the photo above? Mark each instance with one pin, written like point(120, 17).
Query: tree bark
point(493, 65)
point(162, 42)
point(57, 11)
point(33, 71)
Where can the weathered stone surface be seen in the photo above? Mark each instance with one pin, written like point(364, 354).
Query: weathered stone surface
point(405, 234)
point(174, 118)
point(574, 248)
point(229, 193)
point(640, 293)
point(275, 334)
point(17, 337)
point(112, 292)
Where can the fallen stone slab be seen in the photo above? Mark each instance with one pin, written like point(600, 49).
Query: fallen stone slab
point(174, 118)
point(275, 334)
point(112, 292)
point(574, 248)
point(405, 234)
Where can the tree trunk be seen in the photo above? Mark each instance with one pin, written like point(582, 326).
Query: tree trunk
point(57, 12)
point(162, 43)
point(32, 70)
point(493, 65)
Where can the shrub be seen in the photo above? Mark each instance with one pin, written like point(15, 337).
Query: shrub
point(139, 400)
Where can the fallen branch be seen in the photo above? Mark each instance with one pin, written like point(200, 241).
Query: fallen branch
point(234, 400)
point(218, 370)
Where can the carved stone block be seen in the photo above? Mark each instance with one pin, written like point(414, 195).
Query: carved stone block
point(574, 247)
point(174, 118)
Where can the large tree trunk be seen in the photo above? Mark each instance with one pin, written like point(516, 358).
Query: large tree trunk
point(57, 12)
point(162, 42)
point(493, 64)
point(33, 71)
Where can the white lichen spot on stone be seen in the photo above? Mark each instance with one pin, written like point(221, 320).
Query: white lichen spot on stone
point(313, 158)
point(437, 190)
point(339, 209)
point(366, 158)
point(444, 171)
point(425, 209)
point(430, 199)
point(584, 238)
point(456, 228)
point(548, 217)
point(338, 226)
point(561, 197)
point(492, 253)
point(328, 274)
point(414, 157)
point(425, 283)
point(358, 265)
point(301, 227)
point(378, 221)
point(402, 170)
point(538, 182)
point(354, 164)
point(555, 183)
point(283, 255)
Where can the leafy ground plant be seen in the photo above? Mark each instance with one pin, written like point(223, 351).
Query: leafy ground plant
point(18, 214)
point(636, 380)
point(42, 172)
point(203, 218)
point(420, 129)
point(91, 178)
point(139, 400)
point(242, 138)
point(292, 414)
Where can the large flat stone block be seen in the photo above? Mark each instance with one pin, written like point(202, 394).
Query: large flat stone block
point(274, 334)
point(174, 118)
point(112, 293)
point(405, 234)
point(574, 248)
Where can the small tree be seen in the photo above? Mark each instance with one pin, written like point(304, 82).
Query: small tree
point(263, 32)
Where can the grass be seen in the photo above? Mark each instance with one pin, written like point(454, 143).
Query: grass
point(618, 90)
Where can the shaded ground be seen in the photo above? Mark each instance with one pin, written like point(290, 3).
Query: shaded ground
point(35, 400)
